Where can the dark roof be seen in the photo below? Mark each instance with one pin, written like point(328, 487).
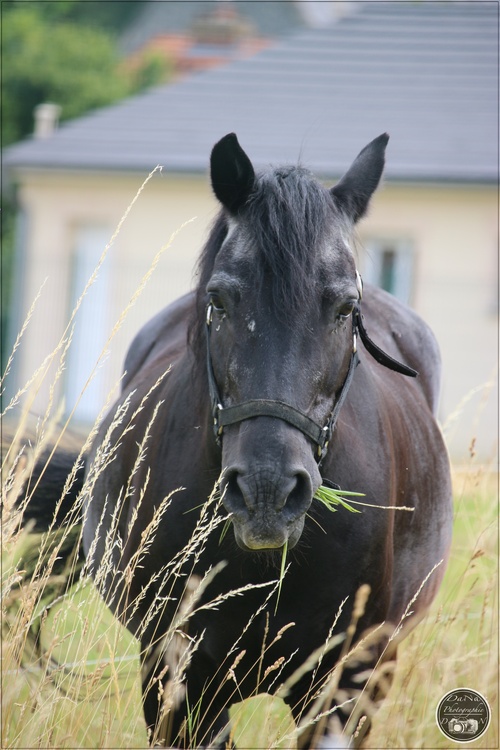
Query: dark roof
point(426, 72)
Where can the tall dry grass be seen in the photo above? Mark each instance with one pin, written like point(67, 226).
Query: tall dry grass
point(456, 645)
point(71, 673)
point(31, 577)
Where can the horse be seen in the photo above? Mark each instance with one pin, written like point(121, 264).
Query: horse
point(277, 375)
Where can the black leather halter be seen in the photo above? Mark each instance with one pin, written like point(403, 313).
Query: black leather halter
point(319, 434)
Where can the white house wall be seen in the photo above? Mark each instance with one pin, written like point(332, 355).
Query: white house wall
point(455, 235)
point(452, 230)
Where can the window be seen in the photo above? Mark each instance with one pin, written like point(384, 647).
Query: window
point(388, 263)
point(91, 324)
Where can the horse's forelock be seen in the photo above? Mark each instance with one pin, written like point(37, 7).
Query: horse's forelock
point(285, 221)
point(287, 218)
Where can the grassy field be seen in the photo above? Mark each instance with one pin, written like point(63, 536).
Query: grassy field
point(80, 687)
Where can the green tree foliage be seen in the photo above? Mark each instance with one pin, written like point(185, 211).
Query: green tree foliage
point(111, 15)
point(48, 56)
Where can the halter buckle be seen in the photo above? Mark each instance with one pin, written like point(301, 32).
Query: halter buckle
point(323, 442)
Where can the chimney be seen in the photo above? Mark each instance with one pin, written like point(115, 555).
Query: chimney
point(318, 14)
point(46, 119)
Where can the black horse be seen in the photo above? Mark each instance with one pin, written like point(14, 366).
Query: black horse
point(254, 385)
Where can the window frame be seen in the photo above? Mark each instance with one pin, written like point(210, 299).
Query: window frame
point(403, 248)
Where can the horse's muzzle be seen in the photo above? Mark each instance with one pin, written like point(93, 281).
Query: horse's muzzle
point(267, 506)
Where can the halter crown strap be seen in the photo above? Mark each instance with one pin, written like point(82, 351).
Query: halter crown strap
point(378, 354)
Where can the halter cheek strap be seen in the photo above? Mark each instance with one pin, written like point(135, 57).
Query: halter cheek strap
point(319, 434)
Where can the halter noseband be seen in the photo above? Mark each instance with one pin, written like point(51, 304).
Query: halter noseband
point(319, 434)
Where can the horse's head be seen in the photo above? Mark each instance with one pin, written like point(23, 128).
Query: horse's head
point(279, 290)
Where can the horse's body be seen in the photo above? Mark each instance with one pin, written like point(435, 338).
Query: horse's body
point(385, 443)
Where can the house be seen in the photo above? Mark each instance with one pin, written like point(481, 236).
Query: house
point(426, 72)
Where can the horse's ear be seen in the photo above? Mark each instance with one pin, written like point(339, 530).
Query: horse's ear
point(231, 172)
point(353, 192)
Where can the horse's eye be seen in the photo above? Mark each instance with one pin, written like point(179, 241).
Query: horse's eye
point(217, 303)
point(345, 310)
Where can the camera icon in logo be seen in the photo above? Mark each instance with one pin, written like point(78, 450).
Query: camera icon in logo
point(463, 726)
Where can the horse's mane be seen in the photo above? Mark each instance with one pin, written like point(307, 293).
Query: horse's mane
point(286, 215)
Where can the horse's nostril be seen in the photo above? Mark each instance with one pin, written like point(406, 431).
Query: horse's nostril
point(300, 496)
point(233, 496)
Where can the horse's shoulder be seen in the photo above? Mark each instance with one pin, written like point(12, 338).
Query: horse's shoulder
point(404, 335)
point(165, 332)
